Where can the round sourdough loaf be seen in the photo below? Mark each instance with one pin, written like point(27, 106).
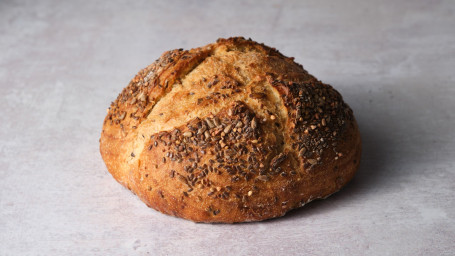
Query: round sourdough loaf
point(230, 132)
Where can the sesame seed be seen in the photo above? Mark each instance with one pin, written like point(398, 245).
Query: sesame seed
point(312, 161)
point(254, 123)
point(142, 96)
point(216, 121)
point(227, 129)
point(250, 193)
point(302, 151)
point(202, 130)
point(263, 178)
point(209, 123)
point(206, 134)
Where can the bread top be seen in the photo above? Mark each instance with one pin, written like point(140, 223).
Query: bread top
point(224, 121)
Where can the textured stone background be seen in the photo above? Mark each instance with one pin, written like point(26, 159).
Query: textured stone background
point(62, 62)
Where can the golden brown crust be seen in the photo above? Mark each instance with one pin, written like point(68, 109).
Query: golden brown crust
point(230, 132)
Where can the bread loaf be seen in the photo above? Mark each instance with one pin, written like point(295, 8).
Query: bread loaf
point(230, 132)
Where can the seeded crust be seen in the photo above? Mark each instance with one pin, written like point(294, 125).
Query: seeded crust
point(230, 132)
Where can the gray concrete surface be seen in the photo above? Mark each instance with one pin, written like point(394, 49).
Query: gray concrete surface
point(63, 62)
